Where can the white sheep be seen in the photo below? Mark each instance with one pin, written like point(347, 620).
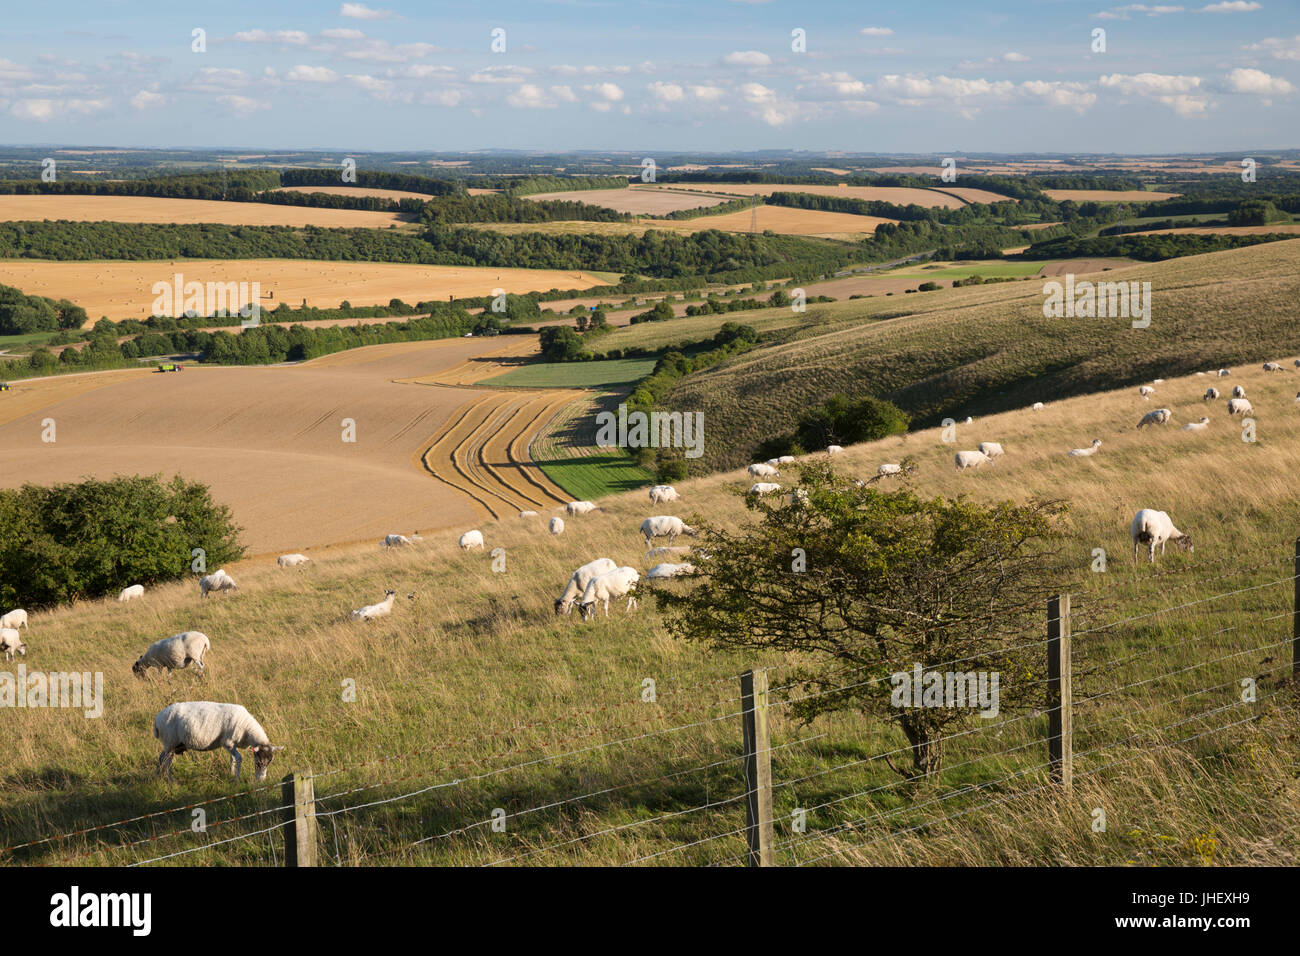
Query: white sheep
point(991, 449)
point(218, 580)
point(1272, 367)
point(888, 469)
point(1222, 372)
point(11, 643)
point(395, 540)
point(660, 494)
point(203, 725)
point(528, 514)
point(1155, 528)
point(1239, 406)
point(131, 593)
point(292, 560)
point(969, 421)
point(1146, 391)
point(612, 585)
point(665, 526)
point(1210, 395)
point(1086, 452)
point(1157, 381)
point(556, 526)
point(762, 471)
point(1038, 406)
point(1157, 416)
point(764, 488)
point(15, 618)
point(971, 459)
point(471, 539)
point(1238, 392)
point(174, 653)
point(580, 507)
point(789, 459)
point(1200, 426)
point(834, 449)
point(579, 580)
point(661, 571)
point(371, 611)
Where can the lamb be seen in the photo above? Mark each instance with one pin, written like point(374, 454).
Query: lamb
point(991, 449)
point(661, 571)
point(665, 526)
point(1146, 391)
point(1272, 367)
point(204, 725)
point(131, 593)
point(1210, 395)
point(660, 494)
point(764, 488)
point(371, 611)
point(556, 526)
point(1085, 452)
point(611, 585)
point(11, 643)
point(1157, 416)
point(579, 580)
point(471, 539)
point(1239, 406)
point(174, 653)
point(292, 560)
point(834, 449)
point(580, 507)
point(528, 514)
point(1200, 426)
point(1154, 528)
point(218, 580)
point(971, 459)
point(1238, 392)
point(762, 471)
point(15, 618)
point(395, 540)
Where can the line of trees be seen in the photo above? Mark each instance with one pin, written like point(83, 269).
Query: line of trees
point(22, 314)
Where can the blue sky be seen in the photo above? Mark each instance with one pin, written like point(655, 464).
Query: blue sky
point(710, 75)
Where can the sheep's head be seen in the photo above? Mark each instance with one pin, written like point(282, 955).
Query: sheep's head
point(562, 606)
point(388, 594)
point(138, 668)
point(1185, 542)
point(587, 610)
point(262, 757)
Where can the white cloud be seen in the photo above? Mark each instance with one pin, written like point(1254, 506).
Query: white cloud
point(381, 51)
point(442, 97)
point(530, 96)
point(747, 58)
point(707, 94)
point(359, 11)
point(1073, 96)
point(311, 74)
point(611, 92)
point(1014, 57)
point(343, 33)
point(145, 100)
point(1150, 84)
point(43, 110)
point(295, 37)
point(1232, 6)
point(243, 105)
point(501, 74)
point(14, 72)
point(876, 32)
point(1277, 47)
point(1256, 81)
point(212, 79)
point(667, 92)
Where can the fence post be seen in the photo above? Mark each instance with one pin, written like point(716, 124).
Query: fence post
point(1060, 703)
point(758, 767)
point(1295, 617)
point(298, 790)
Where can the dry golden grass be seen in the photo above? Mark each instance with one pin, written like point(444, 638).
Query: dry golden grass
point(1282, 227)
point(356, 191)
point(1108, 195)
point(900, 195)
point(149, 209)
point(638, 201)
point(123, 290)
point(785, 220)
point(976, 195)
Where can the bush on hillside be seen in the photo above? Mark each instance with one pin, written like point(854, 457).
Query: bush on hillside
point(844, 421)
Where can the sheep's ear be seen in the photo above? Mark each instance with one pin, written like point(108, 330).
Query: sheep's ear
point(276, 749)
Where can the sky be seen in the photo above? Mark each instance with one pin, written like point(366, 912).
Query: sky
point(927, 76)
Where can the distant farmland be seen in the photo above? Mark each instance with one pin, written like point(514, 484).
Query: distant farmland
point(149, 209)
point(903, 196)
point(1108, 195)
point(638, 202)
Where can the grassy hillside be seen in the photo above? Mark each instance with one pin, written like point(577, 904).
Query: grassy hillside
point(976, 350)
point(473, 696)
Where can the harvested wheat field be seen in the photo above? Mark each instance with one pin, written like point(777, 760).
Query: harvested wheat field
point(977, 195)
point(783, 219)
point(1108, 195)
point(637, 201)
point(123, 290)
point(1277, 227)
point(269, 441)
point(903, 196)
point(394, 194)
point(184, 211)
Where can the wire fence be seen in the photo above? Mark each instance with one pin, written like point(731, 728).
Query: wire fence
point(677, 783)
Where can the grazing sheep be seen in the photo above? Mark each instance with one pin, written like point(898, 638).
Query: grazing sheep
point(764, 488)
point(834, 449)
point(218, 580)
point(888, 469)
point(969, 421)
point(1155, 528)
point(371, 611)
point(1297, 363)
point(1222, 372)
point(579, 580)
point(292, 560)
point(1086, 452)
point(528, 514)
point(395, 540)
point(1200, 426)
point(11, 643)
point(15, 618)
point(611, 585)
point(1272, 367)
point(1146, 391)
point(131, 593)
point(174, 653)
point(1038, 406)
point(1238, 392)
point(1157, 381)
point(991, 449)
point(556, 526)
point(789, 459)
point(762, 471)
point(1210, 395)
point(1157, 416)
point(1239, 406)
point(665, 526)
point(654, 554)
point(203, 725)
point(971, 459)
point(471, 539)
point(661, 571)
point(660, 494)
point(580, 507)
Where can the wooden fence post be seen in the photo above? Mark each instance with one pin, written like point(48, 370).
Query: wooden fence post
point(758, 767)
point(1295, 617)
point(298, 790)
point(1060, 702)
